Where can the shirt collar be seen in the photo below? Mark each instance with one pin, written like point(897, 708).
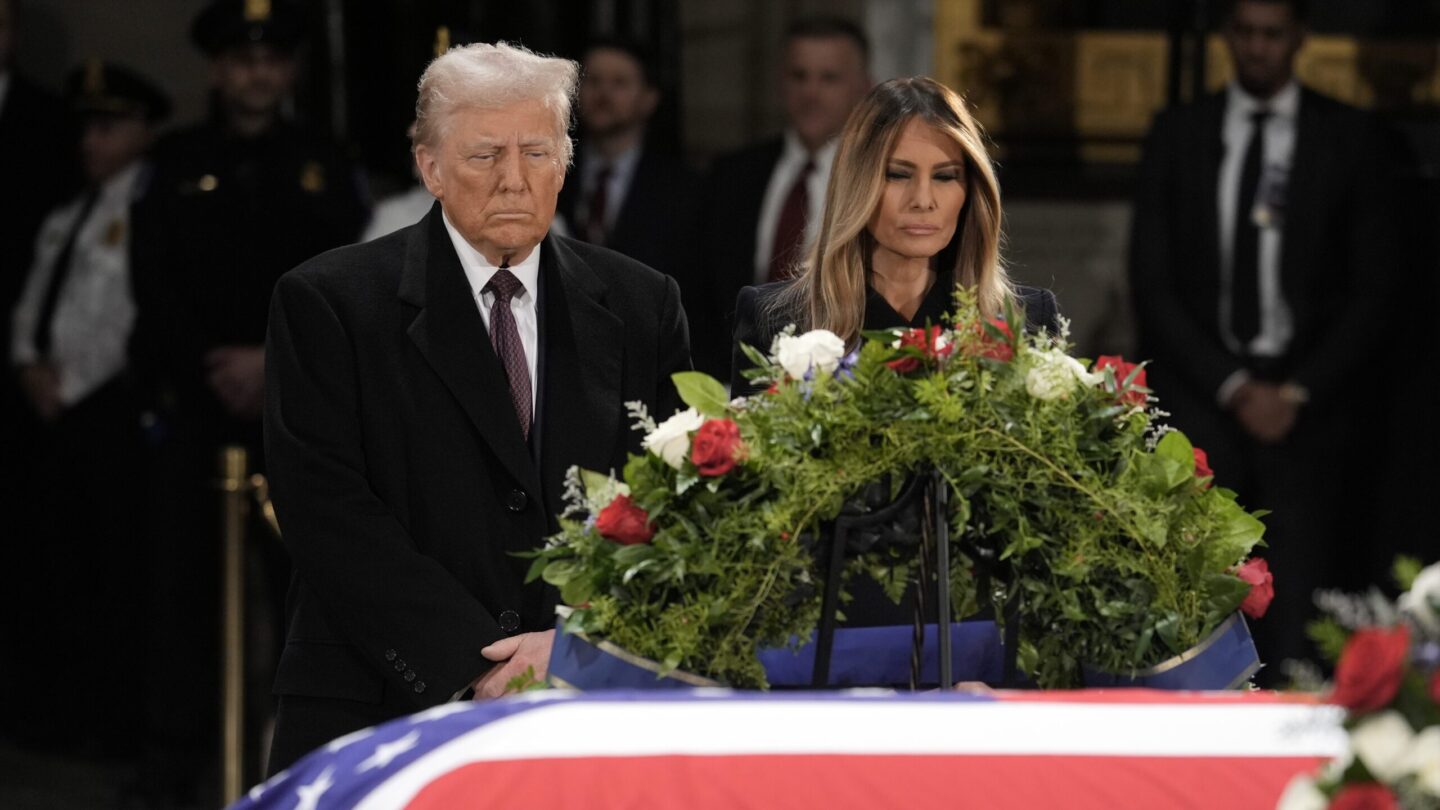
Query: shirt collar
point(795, 150)
point(620, 166)
point(122, 184)
point(479, 271)
point(1284, 104)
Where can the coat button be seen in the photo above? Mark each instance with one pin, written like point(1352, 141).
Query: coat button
point(509, 621)
point(390, 655)
point(419, 687)
point(409, 675)
point(400, 665)
point(516, 501)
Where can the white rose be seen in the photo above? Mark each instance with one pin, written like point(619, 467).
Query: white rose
point(1055, 374)
point(1419, 603)
point(671, 439)
point(1423, 760)
point(818, 349)
point(1302, 794)
point(1381, 743)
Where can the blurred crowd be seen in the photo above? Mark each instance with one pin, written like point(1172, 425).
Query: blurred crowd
point(1273, 260)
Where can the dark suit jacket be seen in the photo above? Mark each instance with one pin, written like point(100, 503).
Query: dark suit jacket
point(1337, 260)
point(657, 220)
point(730, 213)
point(756, 326)
point(400, 476)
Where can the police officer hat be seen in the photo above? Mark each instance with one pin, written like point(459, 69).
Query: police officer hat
point(225, 24)
point(103, 88)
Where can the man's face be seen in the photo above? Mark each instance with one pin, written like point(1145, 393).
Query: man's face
point(1263, 38)
point(253, 79)
point(497, 172)
point(112, 142)
point(614, 95)
point(822, 80)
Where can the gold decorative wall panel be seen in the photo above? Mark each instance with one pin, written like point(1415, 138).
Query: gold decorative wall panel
point(1094, 92)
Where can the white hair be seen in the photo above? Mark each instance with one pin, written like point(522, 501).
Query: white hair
point(484, 75)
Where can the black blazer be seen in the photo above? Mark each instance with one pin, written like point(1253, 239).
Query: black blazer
point(1338, 260)
point(399, 472)
point(730, 213)
point(657, 220)
point(754, 326)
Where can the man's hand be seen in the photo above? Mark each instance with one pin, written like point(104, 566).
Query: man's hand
point(41, 384)
point(514, 654)
point(237, 376)
point(1264, 412)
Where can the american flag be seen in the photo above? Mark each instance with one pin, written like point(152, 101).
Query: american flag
point(716, 748)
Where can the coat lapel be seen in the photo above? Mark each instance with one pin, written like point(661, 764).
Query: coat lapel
point(583, 360)
point(451, 336)
point(1303, 185)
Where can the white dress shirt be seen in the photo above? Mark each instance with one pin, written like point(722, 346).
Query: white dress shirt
point(478, 271)
point(792, 160)
point(1276, 321)
point(622, 172)
point(94, 312)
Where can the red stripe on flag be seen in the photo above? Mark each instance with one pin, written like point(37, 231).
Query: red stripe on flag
point(866, 783)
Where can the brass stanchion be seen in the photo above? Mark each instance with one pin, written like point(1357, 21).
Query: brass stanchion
point(235, 488)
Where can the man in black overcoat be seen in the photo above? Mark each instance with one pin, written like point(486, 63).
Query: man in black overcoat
point(426, 393)
point(1261, 262)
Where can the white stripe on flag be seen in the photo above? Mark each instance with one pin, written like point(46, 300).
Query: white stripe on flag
point(724, 727)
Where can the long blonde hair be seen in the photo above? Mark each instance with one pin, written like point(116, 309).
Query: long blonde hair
point(829, 292)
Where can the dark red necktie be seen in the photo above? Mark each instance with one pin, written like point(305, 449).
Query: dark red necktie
point(505, 337)
point(790, 228)
point(595, 215)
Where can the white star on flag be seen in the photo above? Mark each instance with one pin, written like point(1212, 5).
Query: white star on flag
point(385, 753)
point(310, 794)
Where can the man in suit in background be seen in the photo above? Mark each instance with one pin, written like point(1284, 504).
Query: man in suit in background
point(236, 200)
point(762, 203)
point(427, 392)
point(623, 192)
point(82, 550)
point(1261, 264)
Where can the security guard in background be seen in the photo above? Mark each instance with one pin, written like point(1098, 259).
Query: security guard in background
point(81, 553)
point(235, 202)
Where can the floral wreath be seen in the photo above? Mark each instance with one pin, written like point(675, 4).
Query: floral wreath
point(1114, 544)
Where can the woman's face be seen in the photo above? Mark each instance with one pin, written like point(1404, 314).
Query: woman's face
point(924, 192)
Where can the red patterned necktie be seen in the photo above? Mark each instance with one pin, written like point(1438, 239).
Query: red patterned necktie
point(505, 337)
point(790, 228)
point(599, 200)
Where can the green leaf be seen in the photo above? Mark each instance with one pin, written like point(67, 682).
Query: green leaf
point(577, 591)
point(1405, 571)
point(536, 569)
point(1328, 636)
point(1176, 447)
point(701, 392)
point(560, 572)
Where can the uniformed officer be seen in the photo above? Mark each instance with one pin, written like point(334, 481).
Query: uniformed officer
point(69, 332)
point(236, 201)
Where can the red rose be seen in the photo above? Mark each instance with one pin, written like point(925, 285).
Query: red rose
point(1364, 796)
point(1435, 686)
point(991, 347)
point(1202, 465)
point(1129, 394)
point(624, 522)
point(1262, 589)
point(1370, 668)
point(927, 341)
point(715, 447)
